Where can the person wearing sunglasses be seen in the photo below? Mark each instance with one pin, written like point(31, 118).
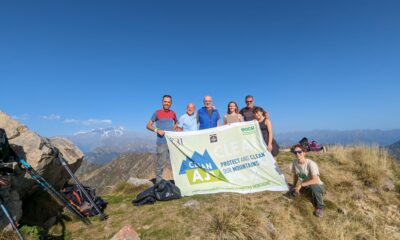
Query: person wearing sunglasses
point(266, 130)
point(306, 179)
point(247, 112)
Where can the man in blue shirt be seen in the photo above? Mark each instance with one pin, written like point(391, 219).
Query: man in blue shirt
point(208, 116)
point(188, 121)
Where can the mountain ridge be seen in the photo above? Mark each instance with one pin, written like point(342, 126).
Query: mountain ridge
point(120, 169)
point(343, 137)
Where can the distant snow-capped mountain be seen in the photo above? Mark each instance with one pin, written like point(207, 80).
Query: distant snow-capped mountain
point(114, 139)
point(103, 132)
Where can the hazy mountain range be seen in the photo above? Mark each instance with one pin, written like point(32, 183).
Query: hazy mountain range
point(394, 150)
point(368, 137)
point(102, 145)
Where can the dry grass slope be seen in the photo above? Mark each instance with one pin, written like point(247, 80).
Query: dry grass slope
point(357, 207)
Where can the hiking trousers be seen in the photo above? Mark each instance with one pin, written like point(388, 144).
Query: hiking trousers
point(317, 193)
point(162, 158)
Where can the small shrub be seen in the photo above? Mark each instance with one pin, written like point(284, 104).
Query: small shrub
point(34, 232)
point(236, 223)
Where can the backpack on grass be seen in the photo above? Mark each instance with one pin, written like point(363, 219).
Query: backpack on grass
point(80, 202)
point(161, 191)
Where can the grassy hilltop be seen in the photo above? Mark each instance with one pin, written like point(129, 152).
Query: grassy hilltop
point(360, 205)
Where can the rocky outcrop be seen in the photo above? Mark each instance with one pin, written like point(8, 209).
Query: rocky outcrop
point(42, 154)
point(138, 182)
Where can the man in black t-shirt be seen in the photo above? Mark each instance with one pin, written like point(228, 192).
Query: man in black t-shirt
point(247, 112)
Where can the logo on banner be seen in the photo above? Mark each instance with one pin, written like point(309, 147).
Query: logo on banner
point(248, 130)
point(213, 138)
point(201, 169)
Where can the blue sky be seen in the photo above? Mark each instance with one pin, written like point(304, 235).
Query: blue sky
point(67, 66)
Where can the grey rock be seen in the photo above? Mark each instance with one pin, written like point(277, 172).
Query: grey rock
point(271, 229)
point(146, 227)
point(192, 204)
point(42, 154)
point(388, 185)
point(14, 206)
point(137, 182)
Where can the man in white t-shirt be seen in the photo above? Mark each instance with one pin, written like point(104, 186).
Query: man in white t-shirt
point(306, 176)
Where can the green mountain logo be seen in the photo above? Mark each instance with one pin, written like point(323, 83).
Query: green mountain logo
point(201, 169)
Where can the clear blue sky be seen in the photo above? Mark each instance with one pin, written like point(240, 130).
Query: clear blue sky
point(67, 66)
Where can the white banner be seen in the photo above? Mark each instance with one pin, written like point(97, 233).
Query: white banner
point(231, 158)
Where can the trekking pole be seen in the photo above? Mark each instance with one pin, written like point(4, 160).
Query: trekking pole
point(53, 192)
point(103, 216)
point(10, 218)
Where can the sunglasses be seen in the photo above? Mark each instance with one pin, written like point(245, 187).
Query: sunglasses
point(297, 152)
point(249, 101)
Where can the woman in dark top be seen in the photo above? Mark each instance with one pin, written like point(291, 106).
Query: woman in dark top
point(266, 130)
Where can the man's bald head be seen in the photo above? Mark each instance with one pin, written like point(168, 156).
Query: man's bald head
point(207, 100)
point(190, 108)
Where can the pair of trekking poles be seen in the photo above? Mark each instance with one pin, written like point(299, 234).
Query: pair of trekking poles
point(55, 194)
point(8, 171)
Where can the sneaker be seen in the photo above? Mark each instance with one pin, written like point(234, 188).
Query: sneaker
point(319, 212)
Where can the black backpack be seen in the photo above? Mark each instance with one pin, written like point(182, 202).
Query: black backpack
point(4, 146)
point(304, 142)
point(161, 191)
point(166, 190)
point(6, 152)
point(80, 202)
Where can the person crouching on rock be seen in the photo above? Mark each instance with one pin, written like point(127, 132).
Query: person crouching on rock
point(306, 178)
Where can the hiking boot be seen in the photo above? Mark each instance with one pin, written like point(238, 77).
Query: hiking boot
point(319, 212)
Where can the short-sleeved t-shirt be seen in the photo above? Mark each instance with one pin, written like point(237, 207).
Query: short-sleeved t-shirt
point(247, 113)
point(188, 122)
point(232, 118)
point(305, 171)
point(165, 120)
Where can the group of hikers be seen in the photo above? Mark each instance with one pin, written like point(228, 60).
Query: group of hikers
point(305, 171)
